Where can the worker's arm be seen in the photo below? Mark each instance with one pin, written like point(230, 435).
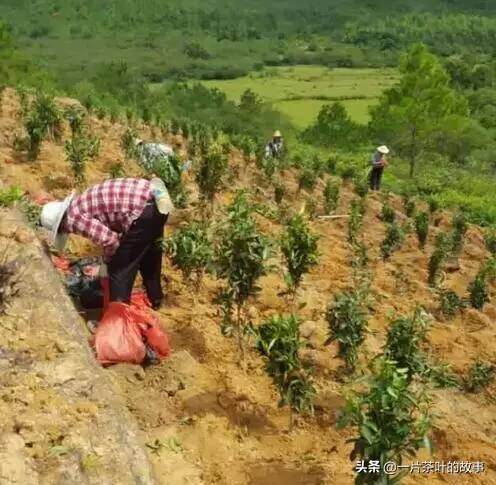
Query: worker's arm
point(96, 232)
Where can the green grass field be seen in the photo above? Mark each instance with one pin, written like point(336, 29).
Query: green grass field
point(301, 91)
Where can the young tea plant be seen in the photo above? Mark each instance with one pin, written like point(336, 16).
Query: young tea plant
point(443, 245)
point(78, 152)
point(480, 375)
point(212, 167)
point(191, 251)
point(355, 222)
point(478, 292)
point(347, 320)
point(128, 143)
point(392, 241)
point(75, 117)
point(450, 303)
point(422, 228)
point(490, 241)
point(241, 259)
point(410, 207)
point(405, 336)
point(299, 249)
point(460, 227)
point(331, 196)
point(388, 213)
point(392, 421)
point(278, 340)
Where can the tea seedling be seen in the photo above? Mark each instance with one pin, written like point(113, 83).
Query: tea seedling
point(299, 249)
point(460, 227)
point(478, 291)
point(422, 228)
point(190, 250)
point(331, 196)
point(405, 336)
point(490, 241)
point(433, 205)
point(279, 192)
point(307, 179)
point(278, 339)
point(361, 187)
point(241, 258)
point(347, 320)
point(451, 303)
point(443, 245)
point(75, 117)
point(392, 241)
point(77, 152)
point(128, 143)
point(392, 421)
point(355, 222)
point(116, 170)
point(480, 375)
point(211, 169)
point(388, 212)
point(443, 377)
point(410, 206)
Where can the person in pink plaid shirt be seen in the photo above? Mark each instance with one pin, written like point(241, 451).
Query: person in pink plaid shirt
point(122, 217)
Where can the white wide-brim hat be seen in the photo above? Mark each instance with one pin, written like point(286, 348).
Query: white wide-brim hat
point(51, 218)
point(383, 149)
point(138, 141)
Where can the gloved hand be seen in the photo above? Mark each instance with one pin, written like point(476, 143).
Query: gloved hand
point(103, 271)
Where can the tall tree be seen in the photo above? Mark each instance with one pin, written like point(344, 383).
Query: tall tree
point(411, 113)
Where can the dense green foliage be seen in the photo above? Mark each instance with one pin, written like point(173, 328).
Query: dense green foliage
point(391, 418)
point(279, 341)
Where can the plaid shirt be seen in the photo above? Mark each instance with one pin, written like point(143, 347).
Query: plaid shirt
point(106, 211)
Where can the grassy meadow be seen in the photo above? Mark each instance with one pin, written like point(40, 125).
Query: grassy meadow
point(300, 91)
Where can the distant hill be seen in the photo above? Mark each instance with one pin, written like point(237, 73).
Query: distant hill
point(225, 39)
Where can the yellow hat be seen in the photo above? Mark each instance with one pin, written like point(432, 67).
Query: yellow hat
point(277, 134)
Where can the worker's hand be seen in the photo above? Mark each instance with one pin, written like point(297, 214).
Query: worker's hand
point(103, 271)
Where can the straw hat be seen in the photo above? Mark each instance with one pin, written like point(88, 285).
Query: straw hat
point(138, 141)
point(277, 134)
point(51, 218)
point(383, 149)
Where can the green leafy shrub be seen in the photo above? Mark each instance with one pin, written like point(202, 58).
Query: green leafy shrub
point(404, 340)
point(478, 292)
point(211, 169)
point(490, 241)
point(347, 320)
point(388, 213)
point(299, 249)
point(240, 259)
point(78, 152)
point(279, 192)
point(331, 196)
point(410, 206)
point(348, 172)
point(75, 117)
point(307, 179)
point(422, 228)
point(460, 227)
point(392, 420)
point(128, 143)
point(9, 196)
point(443, 377)
point(443, 245)
point(278, 339)
point(361, 186)
point(392, 241)
point(116, 170)
point(331, 166)
point(189, 249)
point(480, 375)
point(451, 303)
point(355, 221)
point(433, 205)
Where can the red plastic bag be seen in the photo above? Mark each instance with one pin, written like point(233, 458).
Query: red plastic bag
point(155, 337)
point(61, 263)
point(118, 337)
point(140, 300)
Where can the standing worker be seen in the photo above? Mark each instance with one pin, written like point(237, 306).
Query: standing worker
point(274, 147)
point(378, 163)
point(126, 217)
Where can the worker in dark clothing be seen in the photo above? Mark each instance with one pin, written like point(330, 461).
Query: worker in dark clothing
point(378, 161)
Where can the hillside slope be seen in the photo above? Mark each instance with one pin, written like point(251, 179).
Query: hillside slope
point(216, 423)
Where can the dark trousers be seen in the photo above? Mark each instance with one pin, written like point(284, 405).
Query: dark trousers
point(139, 250)
point(376, 177)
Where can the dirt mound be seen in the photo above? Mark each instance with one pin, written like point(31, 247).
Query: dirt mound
point(204, 420)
